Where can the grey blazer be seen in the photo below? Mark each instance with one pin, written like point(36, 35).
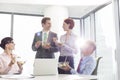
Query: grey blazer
point(41, 52)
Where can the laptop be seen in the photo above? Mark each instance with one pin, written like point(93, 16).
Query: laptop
point(45, 67)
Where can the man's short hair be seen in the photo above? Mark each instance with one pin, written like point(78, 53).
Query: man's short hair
point(45, 19)
point(91, 43)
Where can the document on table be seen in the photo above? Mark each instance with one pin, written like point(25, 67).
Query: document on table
point(16, 76)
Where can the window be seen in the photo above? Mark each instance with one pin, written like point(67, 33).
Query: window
point(76, 30)
point(105, 40)
point(24, 29)
point(5, 26)
point(87, 27)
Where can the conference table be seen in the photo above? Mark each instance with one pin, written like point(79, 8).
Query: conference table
point(48, 77)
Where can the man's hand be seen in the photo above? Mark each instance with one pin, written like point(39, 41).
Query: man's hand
point(46, 46)
point(38, 43)
point(56, 42)
point(60, 44)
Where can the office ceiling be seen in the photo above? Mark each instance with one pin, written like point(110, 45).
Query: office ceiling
point(57, 2)
point(77, 9)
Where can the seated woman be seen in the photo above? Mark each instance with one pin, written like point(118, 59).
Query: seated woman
point(8, 63)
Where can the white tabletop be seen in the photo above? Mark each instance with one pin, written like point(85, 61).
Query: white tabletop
point(52, 77)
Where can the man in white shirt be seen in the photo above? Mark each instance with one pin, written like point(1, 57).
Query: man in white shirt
point(87, 63)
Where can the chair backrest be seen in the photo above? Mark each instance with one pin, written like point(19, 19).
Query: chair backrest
point(95, 70)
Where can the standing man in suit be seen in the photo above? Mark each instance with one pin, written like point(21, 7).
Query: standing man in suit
point(43, 41)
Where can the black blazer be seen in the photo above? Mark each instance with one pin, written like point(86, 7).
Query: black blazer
point(41, 52)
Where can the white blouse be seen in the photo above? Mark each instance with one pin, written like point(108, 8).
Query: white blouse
point(4, 62)
point(69, 47)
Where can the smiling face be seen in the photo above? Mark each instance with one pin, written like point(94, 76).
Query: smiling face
point(66, 26)
point(88, 48)
point(47, 25)
point(10, 45)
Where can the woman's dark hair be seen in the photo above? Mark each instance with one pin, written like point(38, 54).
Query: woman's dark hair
point(5, 41)
point(69, 21)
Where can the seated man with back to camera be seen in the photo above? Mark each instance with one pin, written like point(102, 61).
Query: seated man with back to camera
point(87, 63)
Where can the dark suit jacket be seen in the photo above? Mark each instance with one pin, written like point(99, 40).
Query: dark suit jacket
point(41, 52)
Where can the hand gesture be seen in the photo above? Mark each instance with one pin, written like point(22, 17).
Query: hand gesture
point(55, 40)
point(38, 43)
point(12, 61)
point(66, 67)
point(46, 46)
point(60, 44)
point(20, 64)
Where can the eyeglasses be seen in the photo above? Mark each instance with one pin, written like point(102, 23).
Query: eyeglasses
point(10, 42)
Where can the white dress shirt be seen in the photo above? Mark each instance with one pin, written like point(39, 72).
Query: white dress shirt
point(87, 66)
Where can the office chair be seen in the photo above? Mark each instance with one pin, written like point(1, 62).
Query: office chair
point(95, 70)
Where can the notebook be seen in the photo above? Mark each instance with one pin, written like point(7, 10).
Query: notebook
point(45, 67)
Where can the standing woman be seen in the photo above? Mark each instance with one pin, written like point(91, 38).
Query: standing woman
point(8, 63)
point(67, 45)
